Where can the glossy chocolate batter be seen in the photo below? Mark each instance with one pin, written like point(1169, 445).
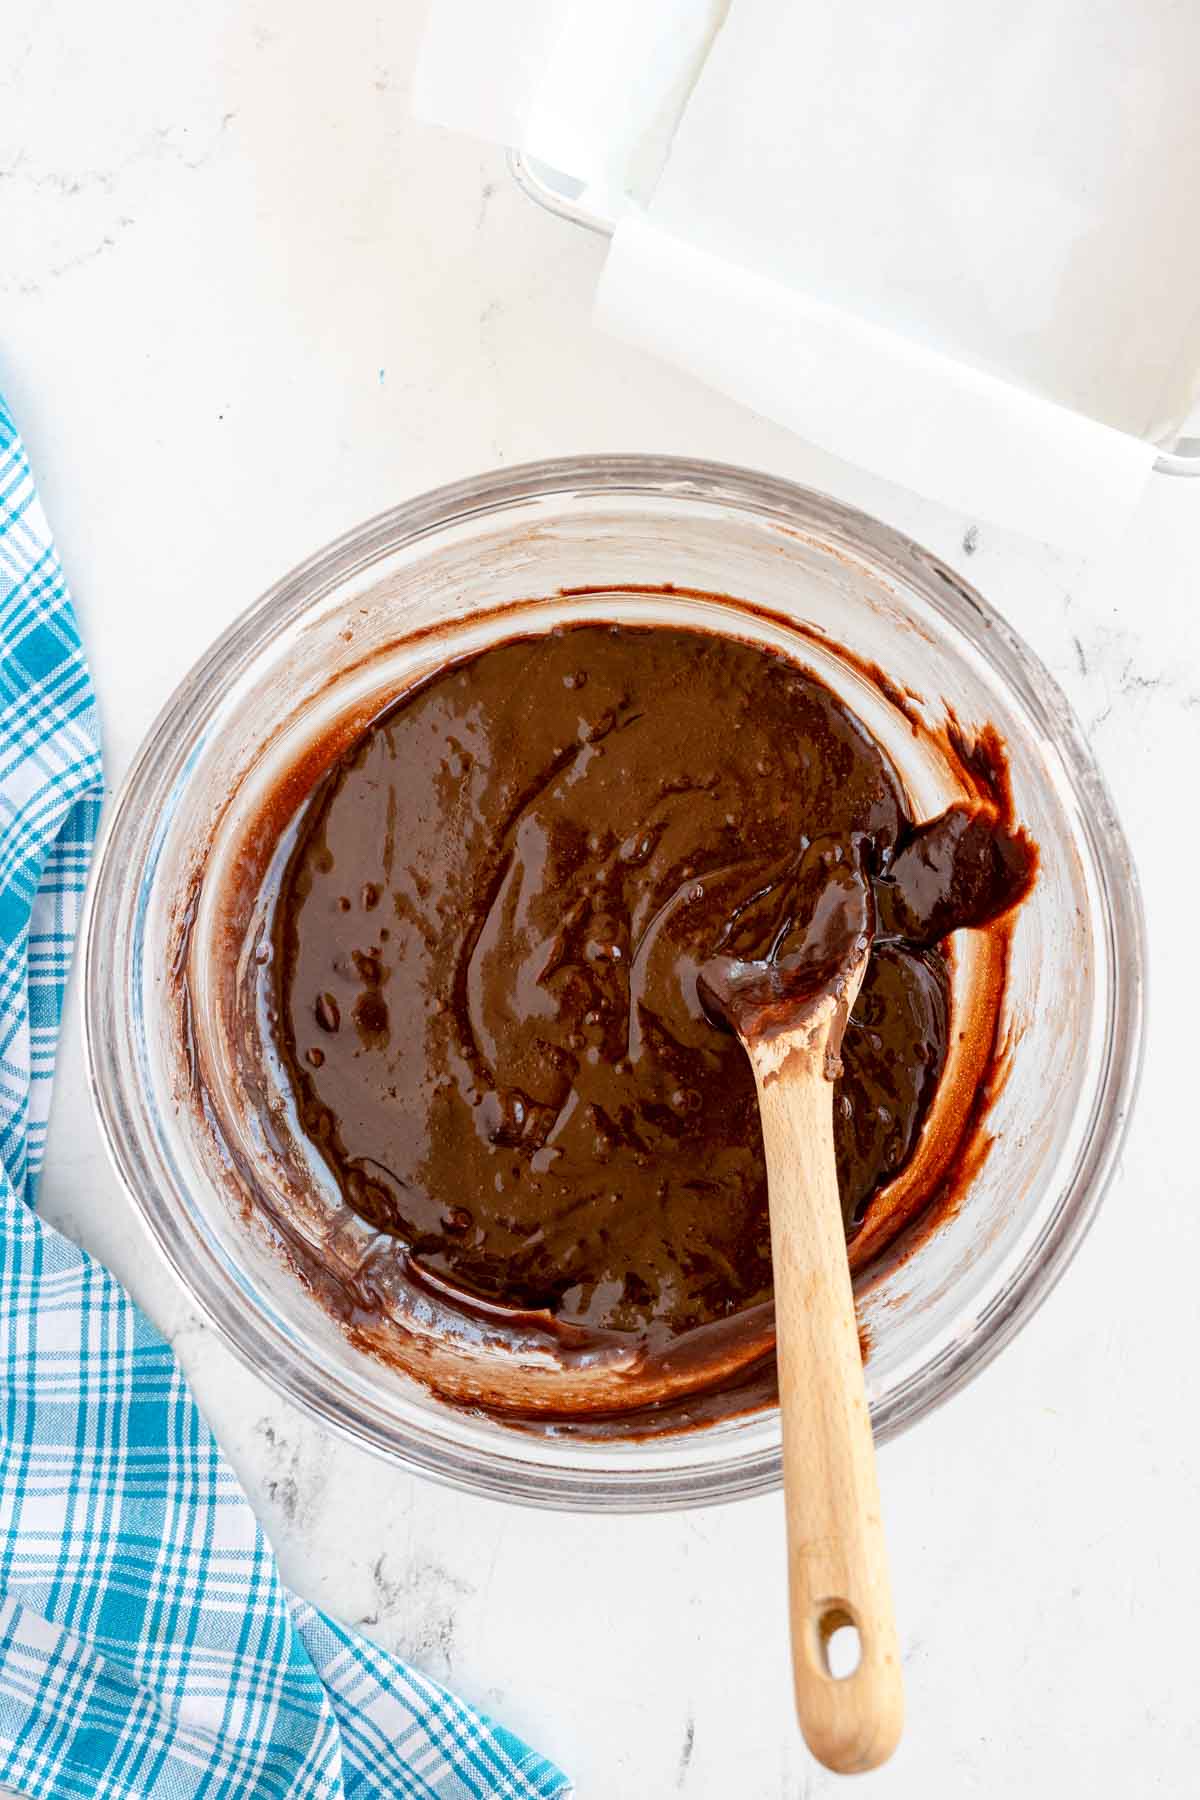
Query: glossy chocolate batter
point(480, 967)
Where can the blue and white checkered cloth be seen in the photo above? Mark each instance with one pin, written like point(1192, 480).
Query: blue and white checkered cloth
point(147, 1646)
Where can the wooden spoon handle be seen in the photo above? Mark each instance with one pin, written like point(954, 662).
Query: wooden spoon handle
point(837, 1559)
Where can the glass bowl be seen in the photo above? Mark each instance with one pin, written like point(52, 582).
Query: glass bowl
point(601, 538)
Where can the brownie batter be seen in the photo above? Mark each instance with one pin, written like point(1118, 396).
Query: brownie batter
point(478, 969)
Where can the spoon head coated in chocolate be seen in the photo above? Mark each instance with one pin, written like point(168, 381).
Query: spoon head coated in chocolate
point(811, 974)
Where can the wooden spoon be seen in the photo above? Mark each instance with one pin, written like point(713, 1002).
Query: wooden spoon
point(790, 1013)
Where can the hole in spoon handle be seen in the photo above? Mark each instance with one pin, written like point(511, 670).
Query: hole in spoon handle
point(839, 1641)
point(849, 1697)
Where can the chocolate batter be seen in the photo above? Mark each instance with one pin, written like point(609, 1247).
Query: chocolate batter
point(479, 969)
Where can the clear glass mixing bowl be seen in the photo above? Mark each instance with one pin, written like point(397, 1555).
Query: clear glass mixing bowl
point(577, 539)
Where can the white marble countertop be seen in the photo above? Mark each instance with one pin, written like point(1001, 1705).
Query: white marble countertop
point(244, 303)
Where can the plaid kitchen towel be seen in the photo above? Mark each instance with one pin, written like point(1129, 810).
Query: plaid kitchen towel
point(147, 1645)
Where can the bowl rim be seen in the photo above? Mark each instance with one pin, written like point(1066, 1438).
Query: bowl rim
point(161, 761)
